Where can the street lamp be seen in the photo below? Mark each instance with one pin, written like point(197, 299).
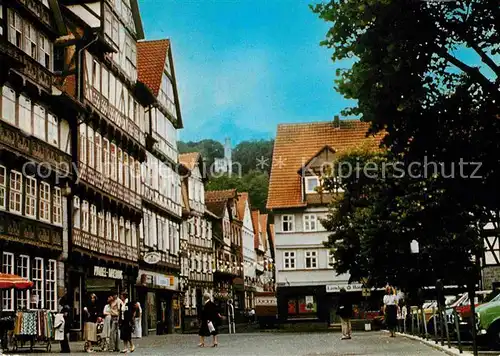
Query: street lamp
point(414, 247)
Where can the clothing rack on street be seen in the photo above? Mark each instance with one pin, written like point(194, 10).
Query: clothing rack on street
point(33, 329)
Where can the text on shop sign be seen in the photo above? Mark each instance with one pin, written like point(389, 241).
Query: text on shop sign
point(107, 272)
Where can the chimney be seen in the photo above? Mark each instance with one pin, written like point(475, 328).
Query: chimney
point(336, 122)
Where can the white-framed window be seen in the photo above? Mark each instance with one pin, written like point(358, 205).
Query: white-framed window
point(132, 173)
point(93, 219)
point(25, 114)
point(128, 236)
point(83, 143)
point(90, 140)
point(109, 227)
point(311, 183)
point(53, 131)
point(122, 230)
point(23, 270)
point(45, 52)
point(8, 267)
point(287, 222)
point(116, 237)
point(3, 187)
point(331, 258)
point(39, 122)
point(137, 177)
point(311, 259)
point(289, 259)
point(133, 227)
point(50, 285)
point(65, 137)
point(57, 206)
point(44, 201)
point(96, 75)
point(105, 153)
point(310, 222)
point(30, 204)
point(15, 29)
point(98, 152)
point(126, 171)
point(120, 166)
point(9, 105)
point(100, 224)
point(76, 212)
point(37, 272)
point(30, 40)
point(16, 183)
point(112, 158)
point(105, 82)
point(85, 215)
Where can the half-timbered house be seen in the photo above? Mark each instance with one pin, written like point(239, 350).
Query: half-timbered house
point(158, 283)
point(35, 161)
point(97, 74)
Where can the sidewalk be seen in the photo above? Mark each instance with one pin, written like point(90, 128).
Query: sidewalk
point(450, 351)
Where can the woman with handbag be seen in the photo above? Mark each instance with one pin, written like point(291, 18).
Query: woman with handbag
point(209, 321)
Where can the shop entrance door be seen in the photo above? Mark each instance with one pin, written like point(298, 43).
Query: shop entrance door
point(199, 302)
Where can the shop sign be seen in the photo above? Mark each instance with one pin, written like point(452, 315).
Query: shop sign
point(164, 281)
point(106, 272)
point(152, 258)
point(157, 280)
point(335, 288)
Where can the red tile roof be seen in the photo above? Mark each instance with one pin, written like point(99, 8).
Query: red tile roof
point(216, 207)
point(219, 195)
point(255, 222)
point(189, 160)
point(151, 57)
point(242, 199)
point(295, 144)
point(263, 226)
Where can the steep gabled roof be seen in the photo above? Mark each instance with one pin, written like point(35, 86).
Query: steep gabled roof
point(295, 144)
point(242, 199)
point(151, 58)
point(217, 208)
point(255, 222)
point(218, 195)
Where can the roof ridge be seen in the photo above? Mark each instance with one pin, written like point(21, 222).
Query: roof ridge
point(311, 123)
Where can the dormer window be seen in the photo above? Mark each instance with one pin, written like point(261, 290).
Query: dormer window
point(311, 183)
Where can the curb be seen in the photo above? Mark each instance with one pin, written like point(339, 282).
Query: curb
point(449, 351)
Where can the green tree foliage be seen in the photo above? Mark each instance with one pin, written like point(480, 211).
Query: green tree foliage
point(254, 155)
point(209, 149)
point(436, 107)
point(256, 183)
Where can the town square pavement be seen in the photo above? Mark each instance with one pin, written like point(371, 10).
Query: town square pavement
point(275, 343)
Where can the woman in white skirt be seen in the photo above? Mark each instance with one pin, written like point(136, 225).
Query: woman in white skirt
point(137, 333)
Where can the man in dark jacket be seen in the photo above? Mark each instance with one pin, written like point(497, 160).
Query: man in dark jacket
point(344, 311)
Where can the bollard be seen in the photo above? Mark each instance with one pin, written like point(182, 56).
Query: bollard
point(425, 324)
point(446, 329)
point(418, 324)
point(457, 329)
point(441, 325)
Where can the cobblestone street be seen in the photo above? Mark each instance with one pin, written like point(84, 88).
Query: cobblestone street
point(319, 344)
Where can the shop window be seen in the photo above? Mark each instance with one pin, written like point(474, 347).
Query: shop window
point(85, 215)
point(76, 212)
point(52, 130)
point(307, 304)
point(9, 105)
point(8, 267)
point(3, 187)
point(39, 123)
point(23, 270)
point(310, 222)
point(57, 206)
point(44, 201)
point(30, 205)
point(16, 181)
point(37, 297)
point(289, 260)
point(311, 259)
point(25, 114)
point(287, 223)
point(50, 285)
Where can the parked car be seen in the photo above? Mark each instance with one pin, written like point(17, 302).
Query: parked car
point(488, 322)
point(431, 308)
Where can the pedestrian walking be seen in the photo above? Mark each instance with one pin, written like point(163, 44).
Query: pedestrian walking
point(106, 328)
point(90, 326)
point(137, 334)
point(114, 313)
point(61, 327)
point(344, 311)
point(210, 319)
point(127, 319)
point(391, 310)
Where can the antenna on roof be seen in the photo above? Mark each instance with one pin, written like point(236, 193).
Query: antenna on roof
point(336, 122)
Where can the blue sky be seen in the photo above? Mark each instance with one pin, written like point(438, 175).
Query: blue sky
point(244, 66)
